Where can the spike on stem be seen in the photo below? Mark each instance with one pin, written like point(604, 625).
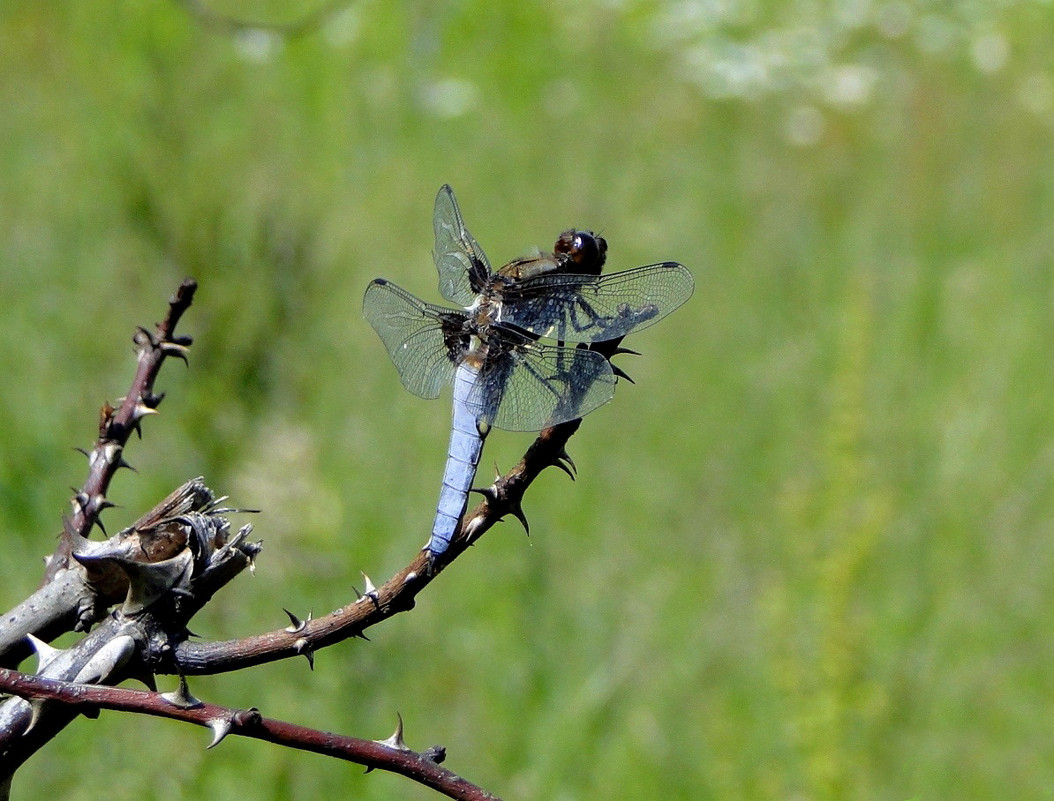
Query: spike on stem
point(396, 739)
point(296, 625)
point(221, 727)
point(303, 646)
point(181, 697)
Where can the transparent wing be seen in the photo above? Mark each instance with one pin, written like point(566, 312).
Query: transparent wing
point(417, 336)
point(463, 266)
point(590, 308)
point(527, 386)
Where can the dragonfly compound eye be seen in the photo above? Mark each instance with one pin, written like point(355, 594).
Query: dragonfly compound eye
point(588, 252)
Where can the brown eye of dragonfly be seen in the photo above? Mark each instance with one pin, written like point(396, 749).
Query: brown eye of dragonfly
point(588, 252)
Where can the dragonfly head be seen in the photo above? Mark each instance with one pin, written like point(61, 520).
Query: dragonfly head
point(581, 252)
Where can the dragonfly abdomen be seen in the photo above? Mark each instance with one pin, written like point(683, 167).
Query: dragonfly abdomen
point(463, 452)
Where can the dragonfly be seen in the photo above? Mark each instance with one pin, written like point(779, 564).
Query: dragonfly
point(491, 347)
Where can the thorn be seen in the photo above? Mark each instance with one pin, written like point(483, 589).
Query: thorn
point(46, 653)
point(141, 410)
point(490, 493)
point(111, 452)
point(182, 697)
point(361, 634)
point(517, 511)
point(221, 727)
point(563, 456)
point(296, 624)
point(152, 400)
point(37, 707)
point(81, 499)
point(122, 463)
point(148, 581)
point(622, 374)
point(371, 592)
point(559, 462)
point(173, 348)
point(396, 740)
point(144, 337)
point(107, 661)
point(620, 351)
point(302, 646)
point(88, 551)
point(82, 451)
point(469, 529)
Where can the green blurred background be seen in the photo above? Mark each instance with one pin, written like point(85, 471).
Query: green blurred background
point(808, 555)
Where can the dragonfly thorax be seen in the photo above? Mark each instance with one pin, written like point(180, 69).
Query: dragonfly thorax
point(484, 312)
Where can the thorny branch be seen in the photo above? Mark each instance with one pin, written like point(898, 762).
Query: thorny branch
point(391, 754)
point(167, 566)
point(72, 597)
point(117, 425)
point(398, 594)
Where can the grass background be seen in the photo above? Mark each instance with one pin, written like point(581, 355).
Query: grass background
point(809, 554)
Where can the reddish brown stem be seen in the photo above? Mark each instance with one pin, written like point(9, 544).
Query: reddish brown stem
point(391, 755)
point(117, 424)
